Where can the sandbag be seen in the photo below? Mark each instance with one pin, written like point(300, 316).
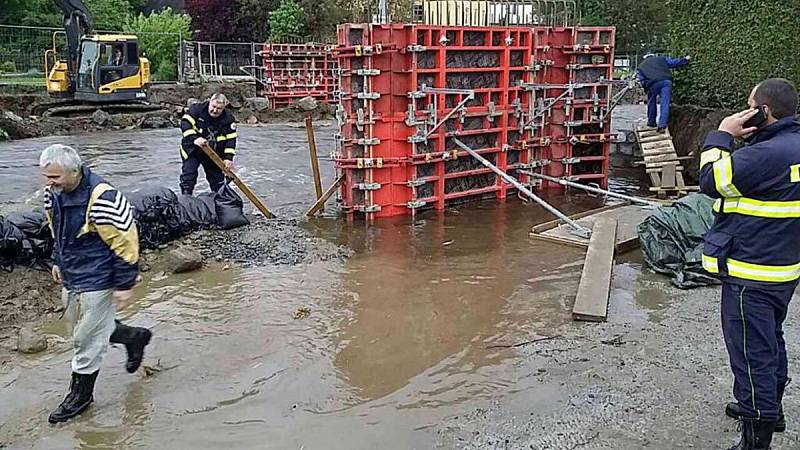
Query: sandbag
point(11, 243)
point(672, 240)
point(201, 210)
point(33, 224)
point(229, 207)
point(158, 215)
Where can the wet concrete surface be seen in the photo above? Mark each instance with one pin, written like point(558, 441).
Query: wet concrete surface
point(421, 338)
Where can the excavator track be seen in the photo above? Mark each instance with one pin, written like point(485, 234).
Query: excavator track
point(78, 109)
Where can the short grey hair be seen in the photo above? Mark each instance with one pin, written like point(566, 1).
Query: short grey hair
point(62, 156)
point(219, 97)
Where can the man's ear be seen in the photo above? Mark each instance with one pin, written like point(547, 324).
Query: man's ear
point(768, 112)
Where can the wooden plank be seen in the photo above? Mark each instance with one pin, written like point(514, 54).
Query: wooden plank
point(628, 218)
point(659, 167)
point(668, 176)
point(650, 140)
point(666, 158)
point(679, 180)
point(542, 227)
point(559, 240)
point(627, 245)
point(238, 181)
point(591, 303)
point(312, 151)
point(320, 203)
point(655, 178)
point(660, 150)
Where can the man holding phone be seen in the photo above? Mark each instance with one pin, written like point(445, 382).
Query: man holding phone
point(754, 247)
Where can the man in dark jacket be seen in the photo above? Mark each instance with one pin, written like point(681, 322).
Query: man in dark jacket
point(754, 246)
point(207, 123)
point(95, 257)
point(655, 75)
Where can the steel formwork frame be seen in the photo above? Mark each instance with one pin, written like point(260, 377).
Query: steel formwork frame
point(524, 98)
point(290, 72)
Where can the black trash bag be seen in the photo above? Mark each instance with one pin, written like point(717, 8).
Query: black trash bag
point(229, 206)
point(11, 244)
point(159, 216)
point(200, 210)
point(38, 244)
point(672, 240)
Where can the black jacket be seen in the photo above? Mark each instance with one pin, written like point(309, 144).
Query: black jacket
point(220, 132)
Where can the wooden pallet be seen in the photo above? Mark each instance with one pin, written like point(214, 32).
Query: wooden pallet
point(662, 163)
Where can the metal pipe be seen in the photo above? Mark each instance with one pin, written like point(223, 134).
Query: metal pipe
point(564, 182)
point(575, 228)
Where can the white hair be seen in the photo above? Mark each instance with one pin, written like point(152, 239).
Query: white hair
point(219, 97)
point(62, 156)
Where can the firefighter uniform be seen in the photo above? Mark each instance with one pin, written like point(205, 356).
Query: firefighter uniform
point(220, 132)
point(754, 247)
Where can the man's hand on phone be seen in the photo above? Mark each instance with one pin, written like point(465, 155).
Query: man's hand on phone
point(734, 124)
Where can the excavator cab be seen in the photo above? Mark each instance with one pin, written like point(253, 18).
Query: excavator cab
point(108, 68)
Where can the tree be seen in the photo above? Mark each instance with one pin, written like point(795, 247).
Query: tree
point(159, 37)
point(214, 20)
point(252, 18)
point(641, 26)
point(286, 22)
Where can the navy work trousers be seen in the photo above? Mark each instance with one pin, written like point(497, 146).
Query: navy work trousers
point(659, 92)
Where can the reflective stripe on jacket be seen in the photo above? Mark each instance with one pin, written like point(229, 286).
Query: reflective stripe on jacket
point(220, 132)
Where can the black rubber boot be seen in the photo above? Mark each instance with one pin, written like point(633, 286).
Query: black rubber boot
point(756, 435)
point(135, 340)
point(734, 411)
point(80, 396)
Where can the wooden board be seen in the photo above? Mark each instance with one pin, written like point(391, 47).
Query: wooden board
point(628, 218)
point(591, 303)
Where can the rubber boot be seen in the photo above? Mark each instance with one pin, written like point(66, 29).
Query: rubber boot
point(135, 340)
point(756, 435)
point(734, 411)
point(80, 396)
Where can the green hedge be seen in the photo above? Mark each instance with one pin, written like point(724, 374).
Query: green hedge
point(734, 44)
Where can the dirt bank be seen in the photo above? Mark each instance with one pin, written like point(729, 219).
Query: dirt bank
point(689, 126)
point(29, 296)
point(22, 113)
point(658, 382)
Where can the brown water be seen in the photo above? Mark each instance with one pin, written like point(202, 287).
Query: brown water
point(399, 337)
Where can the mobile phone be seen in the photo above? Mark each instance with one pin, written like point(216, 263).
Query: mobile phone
point(758, 119)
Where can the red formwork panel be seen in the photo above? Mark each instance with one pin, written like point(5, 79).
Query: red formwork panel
point(291, 72)
point(402, 89)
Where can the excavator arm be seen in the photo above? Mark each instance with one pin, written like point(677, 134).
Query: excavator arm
point(77, 23)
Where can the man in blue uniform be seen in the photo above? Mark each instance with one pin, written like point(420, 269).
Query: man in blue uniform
point(207, 123)
point(655, 75)
point(95, 257)
point(754, 246)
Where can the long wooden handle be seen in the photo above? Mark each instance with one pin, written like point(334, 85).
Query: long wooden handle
point(239, 183)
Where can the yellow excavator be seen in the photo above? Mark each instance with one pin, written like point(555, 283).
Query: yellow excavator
point(100, 70)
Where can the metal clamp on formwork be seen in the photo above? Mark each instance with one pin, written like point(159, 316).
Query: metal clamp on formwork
point(416, 48)
point(367, 209)
point(415, 183)
point(568, 161)
point(368, 141)
point(414, 204)
point(535, 164)
point(470, 95)
point(417, 139)
point(367, 72)
point(369, 163)
point(492, 111)
point(447, 156)
point(368, 95)
point(368, 186)
point(582, 139)
point(574, 227)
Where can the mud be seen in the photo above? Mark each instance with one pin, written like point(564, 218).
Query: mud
point(29, 122)
point(689, 126)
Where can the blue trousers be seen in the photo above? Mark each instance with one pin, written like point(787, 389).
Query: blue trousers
point(659, 92)
point(752, 324)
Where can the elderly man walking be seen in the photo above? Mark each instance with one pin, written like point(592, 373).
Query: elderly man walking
point(96, 257)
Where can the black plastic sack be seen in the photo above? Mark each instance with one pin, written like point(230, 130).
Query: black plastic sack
point(159, 216)
point(200, 210)
point(229, 206)
point(672, 240)
point(11, 243)
point(33, 224)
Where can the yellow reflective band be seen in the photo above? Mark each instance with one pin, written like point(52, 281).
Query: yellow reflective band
point(759, 272)
point(190, 119)
point(710, 264)
point(226, 137)
point(712, 155)
point(723, 178)
point(717, 204)
point(794, 173)
point(184, 154)
point(189, 132)
point(230, 151)
point(758, 208)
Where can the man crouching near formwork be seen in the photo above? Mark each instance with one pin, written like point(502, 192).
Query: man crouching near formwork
point(95, 256)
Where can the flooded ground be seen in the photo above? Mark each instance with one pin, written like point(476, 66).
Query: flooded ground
point(420, 339)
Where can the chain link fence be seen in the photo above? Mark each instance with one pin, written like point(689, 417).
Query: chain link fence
point(22, 51)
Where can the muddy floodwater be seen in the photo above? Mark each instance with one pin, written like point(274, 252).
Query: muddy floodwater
point(414, 327)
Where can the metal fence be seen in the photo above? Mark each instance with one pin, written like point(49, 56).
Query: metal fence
point(218, 61)
point(22, 50)
point(495, 12)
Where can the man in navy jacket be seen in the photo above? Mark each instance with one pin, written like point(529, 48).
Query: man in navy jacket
point(655, 75)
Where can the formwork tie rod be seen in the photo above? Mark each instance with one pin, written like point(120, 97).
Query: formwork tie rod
point(575, 228)
point(563, 182)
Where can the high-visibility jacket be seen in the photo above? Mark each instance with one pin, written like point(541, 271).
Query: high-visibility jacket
point(220, 132)
point(755, 238)
point(96, 240)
